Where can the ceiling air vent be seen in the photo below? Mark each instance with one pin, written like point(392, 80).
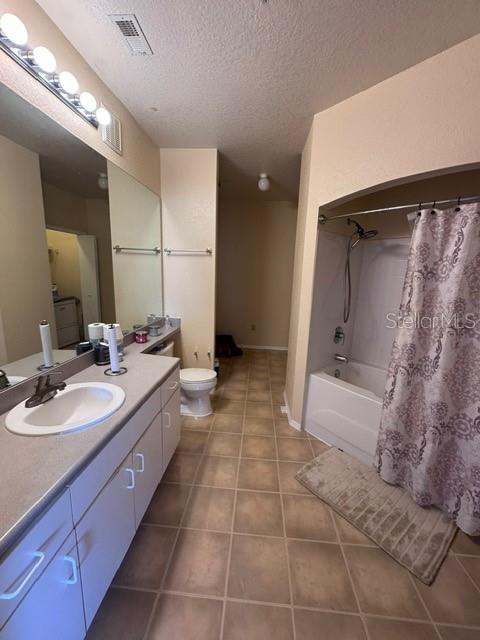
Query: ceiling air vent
point(132, 33)
point(112, 134)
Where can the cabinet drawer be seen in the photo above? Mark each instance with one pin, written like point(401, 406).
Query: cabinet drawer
point(65, 314)
point(90, 482)
point(104, 535)
point(22, 566)
point(53, 608)
point(171, 384)
point(148, 466)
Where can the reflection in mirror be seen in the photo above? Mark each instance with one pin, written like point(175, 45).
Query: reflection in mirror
point(56, 259)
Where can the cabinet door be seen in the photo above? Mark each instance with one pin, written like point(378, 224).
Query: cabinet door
point(104, 535)
point(170, 427)
point(148, 465)
point(53, 608)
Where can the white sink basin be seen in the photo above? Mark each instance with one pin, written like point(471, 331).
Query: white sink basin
point(77, 407)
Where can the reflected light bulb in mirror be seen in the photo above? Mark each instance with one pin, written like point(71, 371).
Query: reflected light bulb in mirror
point(263, 182)
point(44, 59)
point(68, 82)
point(13, 29)
point(103, 116)
point(88, 101)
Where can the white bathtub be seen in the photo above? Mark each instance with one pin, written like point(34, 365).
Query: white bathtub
point(345, 411)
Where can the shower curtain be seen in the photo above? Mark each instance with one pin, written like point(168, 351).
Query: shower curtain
point(429, 440)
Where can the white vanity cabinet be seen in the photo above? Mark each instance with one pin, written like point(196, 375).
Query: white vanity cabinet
point(171, 422)
point(53, 608)
point(148, 466)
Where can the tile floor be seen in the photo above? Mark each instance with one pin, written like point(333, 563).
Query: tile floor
point(232, 547)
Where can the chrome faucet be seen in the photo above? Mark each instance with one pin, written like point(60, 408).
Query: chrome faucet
point(340, 358)
point(45, 390)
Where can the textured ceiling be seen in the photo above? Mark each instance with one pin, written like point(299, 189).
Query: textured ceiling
point(246, 76)
point(64, 160)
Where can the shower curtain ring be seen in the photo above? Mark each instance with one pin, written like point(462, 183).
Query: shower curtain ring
point(457, 208)
point(419, 209)
point(433, 208)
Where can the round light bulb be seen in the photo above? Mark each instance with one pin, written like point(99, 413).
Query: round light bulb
point(88, 101)
point(13, 29)
point(44, 59)
point(103, 116)
point(68, 82)
point(102, 181)
point(264, 182)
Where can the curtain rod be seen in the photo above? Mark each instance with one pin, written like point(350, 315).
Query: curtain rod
point(322, 219)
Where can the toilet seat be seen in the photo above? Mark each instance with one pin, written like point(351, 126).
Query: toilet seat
point(195, 376)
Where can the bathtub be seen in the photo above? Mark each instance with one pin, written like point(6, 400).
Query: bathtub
point(345, 411)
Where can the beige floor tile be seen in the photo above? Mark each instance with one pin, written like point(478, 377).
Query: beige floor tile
point(185, 618)
point(198, 424)
point(319, 625)
point(278, 397)
point(294, 449)
point(383, 586)
point(218, 472)
point(452, 597)
point(231, 407)
point(276, 385)
point(224, 444)
point(257, 622)
point(234, 394)
point(259, 447)
point(318, 446)
point(210, 509)
point(123, 615)
point(236, 384)
point(319, 576)
point(466, 544)
point(284, 430)
point(259, 426)
point(259, 396)
point(167, 504)
point(278, 414)
point(288, 484)
point(146, 560)
point(259, 409)
point(379, 629)
point(227, 423)
point(182, 468)
point(309, 518)
point(260, 475)
point(259, 385)
point(350, 534)
point(258, 513)
point(258, 570)
point(458, 633)
point(199, 563)
point(192, 441)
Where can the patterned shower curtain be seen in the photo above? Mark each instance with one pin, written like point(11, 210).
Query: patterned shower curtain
point(429, 440)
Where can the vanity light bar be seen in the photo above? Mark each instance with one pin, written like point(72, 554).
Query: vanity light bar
point(40, 63)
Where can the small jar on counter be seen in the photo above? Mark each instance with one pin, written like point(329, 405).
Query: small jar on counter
point(141, 337)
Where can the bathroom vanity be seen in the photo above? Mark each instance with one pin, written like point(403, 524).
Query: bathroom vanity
point(71, 503)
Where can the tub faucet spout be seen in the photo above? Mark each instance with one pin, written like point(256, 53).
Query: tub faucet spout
point(340, 358)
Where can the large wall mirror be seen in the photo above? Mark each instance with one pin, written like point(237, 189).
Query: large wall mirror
point(63, 209)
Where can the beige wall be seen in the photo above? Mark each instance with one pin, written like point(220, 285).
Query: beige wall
point(98, 225)
point(256, 242)
point(140, 155)
point(135, 221)
point(64, 262)
point(421, 121)
point(64, 210)
point(25, 289)
point(189, 221)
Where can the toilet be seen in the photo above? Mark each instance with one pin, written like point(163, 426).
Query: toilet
point(196, 386)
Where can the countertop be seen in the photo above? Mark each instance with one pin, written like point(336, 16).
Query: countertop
point(35, 470)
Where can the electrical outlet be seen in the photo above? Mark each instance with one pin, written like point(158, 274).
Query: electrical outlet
point(252, 327)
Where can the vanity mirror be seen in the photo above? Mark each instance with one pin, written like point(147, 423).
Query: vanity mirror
point(62, 209)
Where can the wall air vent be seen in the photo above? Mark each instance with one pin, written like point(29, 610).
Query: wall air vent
point(112, 134)
point(132, 33)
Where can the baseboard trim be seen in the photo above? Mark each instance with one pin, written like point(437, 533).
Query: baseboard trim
point(266, 348)
point(293, 423)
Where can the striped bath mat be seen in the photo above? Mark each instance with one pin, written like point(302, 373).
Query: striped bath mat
point(416, 537)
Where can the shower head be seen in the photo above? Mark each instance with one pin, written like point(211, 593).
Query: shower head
point(360, 231)
point(369, 234)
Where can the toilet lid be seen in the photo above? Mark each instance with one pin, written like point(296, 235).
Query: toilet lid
point(197, 375)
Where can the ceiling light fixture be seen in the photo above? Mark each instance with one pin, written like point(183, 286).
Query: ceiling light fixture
point(40, 63)
point(263, 182)
point(102, 181)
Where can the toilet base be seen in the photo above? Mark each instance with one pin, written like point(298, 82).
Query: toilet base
point(197, 407)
